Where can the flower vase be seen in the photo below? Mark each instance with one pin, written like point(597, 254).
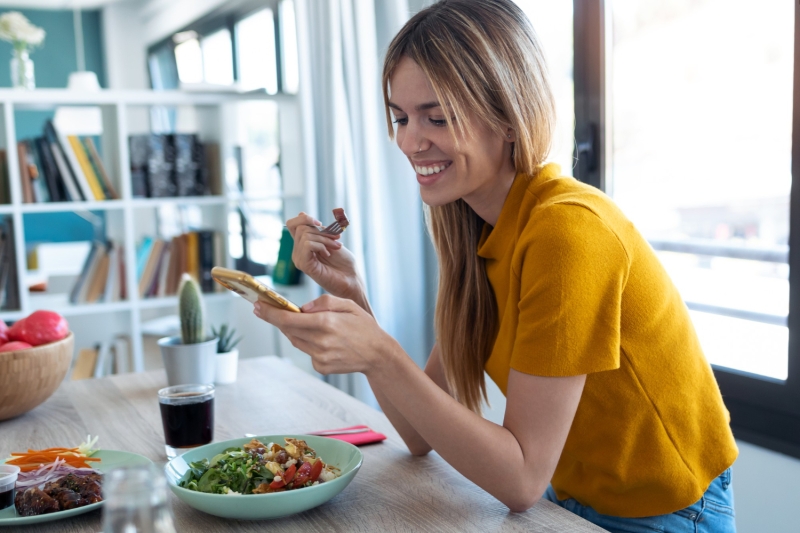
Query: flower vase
point(22, 70)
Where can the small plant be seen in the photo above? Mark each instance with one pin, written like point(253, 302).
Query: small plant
point(190, 309)
point(225, 340)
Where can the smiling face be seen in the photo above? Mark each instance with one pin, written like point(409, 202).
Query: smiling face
point(478, 168)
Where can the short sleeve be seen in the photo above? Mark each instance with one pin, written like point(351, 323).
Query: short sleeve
point(572, 273)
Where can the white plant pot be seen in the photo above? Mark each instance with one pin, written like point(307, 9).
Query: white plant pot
point(227, 367)
point(188, 363)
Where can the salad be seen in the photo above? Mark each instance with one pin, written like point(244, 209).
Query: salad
point(257, 468)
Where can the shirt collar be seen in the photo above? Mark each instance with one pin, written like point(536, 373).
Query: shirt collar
point(494, 241)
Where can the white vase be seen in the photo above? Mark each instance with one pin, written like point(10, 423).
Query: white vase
point(227, 367)
point(188, 363)
point(22, 70)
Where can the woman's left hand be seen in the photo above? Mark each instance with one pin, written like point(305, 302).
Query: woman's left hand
point(339, 335)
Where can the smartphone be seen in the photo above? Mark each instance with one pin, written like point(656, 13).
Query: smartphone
point(251, 290)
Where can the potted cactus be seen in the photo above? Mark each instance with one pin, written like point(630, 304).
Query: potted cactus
point(227, 354)
point(190, 357)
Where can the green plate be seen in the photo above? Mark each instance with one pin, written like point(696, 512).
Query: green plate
point(338, 453)
point(110, 459)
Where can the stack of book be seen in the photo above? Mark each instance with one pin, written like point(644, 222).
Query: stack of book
point(103, 359)
point(161, 263)
point(61, 168)
point(9, 288)
point(173, 165)
point(102, 278)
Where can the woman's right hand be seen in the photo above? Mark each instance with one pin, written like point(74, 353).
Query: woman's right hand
point(323, 258)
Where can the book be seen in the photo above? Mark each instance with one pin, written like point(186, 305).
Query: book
point(25, 178)
point(122, 354)
point(164, 270)
point(151, 268)
point(138, 149)
point(160, 265)
point(5, 196)
point(205, 259)
point(192, 256)
point(104, 361)
point(49, 168)
point(86, 168)
point(92, 273)
point(9, 289)
point(97, 282)
point(64, 171)
point(81, 280)
point(212, 164)
point(84, 364)
point(160, 166)
point(100, 169)
point(75, 167)
point(186, 166)
point(40, 191)
point(220, 255)
point(111, 289)
point(142, 254)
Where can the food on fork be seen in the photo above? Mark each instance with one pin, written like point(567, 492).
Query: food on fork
point(340, 217)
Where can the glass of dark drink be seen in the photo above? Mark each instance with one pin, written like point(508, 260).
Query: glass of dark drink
point(187, 413)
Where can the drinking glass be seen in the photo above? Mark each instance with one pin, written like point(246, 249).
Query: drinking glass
point(187, 414)
point(136, 501)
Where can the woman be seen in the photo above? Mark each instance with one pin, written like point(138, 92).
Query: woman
point(612, 410)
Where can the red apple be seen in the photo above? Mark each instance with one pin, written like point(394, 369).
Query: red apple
point(3, 332)
point(14, 346)
point(40, 327)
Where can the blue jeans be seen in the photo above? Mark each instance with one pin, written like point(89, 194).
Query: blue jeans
point(712, 513)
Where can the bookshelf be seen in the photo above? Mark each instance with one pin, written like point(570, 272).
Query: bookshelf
point(129, 219)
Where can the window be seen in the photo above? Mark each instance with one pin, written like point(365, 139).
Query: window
point(290, 67)
point(255, 42)
point(691, 125)
point(218, 58)
point(553, 24)
point(189, 58)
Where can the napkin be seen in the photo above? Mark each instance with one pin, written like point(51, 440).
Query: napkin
point(368, 437)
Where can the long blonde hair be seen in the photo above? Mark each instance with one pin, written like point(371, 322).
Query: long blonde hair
point(484, 63)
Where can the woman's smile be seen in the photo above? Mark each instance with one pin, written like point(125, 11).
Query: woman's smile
point(430, 171)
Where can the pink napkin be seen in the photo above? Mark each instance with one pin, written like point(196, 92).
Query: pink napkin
point(367, 437)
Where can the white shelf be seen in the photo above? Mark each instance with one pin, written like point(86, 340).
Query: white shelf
point(48, 98)
point(179, 200)
point(171, 301)
point(124, 113)
point(55, 207)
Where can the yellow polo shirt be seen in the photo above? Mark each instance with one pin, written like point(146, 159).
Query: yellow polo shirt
point(580, 291)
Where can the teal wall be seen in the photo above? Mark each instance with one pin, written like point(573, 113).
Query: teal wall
point(53, 62)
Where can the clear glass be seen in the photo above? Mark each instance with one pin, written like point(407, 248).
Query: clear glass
point(189, 58)
point(701, 153)
point(136, 501)
point(290, 67)
point(187, 415)
point(257, 53)
point(22, 76)
point(552, 22)
point(218, 58)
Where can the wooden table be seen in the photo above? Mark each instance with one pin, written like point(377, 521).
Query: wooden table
point(393, 491)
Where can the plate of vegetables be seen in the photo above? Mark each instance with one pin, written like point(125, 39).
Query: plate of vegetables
point(59, 482)
point(264, 477)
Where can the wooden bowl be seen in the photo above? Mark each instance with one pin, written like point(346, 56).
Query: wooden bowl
point(28, 377)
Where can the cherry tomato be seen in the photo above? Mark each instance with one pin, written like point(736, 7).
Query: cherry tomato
point(303, 474)
point(316, 470)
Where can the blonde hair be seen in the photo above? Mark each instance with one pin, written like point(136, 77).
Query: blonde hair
point(484, 62)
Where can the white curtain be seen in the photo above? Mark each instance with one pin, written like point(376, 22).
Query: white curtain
point(358, 168)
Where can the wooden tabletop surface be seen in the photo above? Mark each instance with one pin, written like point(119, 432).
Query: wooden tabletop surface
point(392, 492)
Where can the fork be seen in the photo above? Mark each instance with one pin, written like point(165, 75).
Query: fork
point(334, 228)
